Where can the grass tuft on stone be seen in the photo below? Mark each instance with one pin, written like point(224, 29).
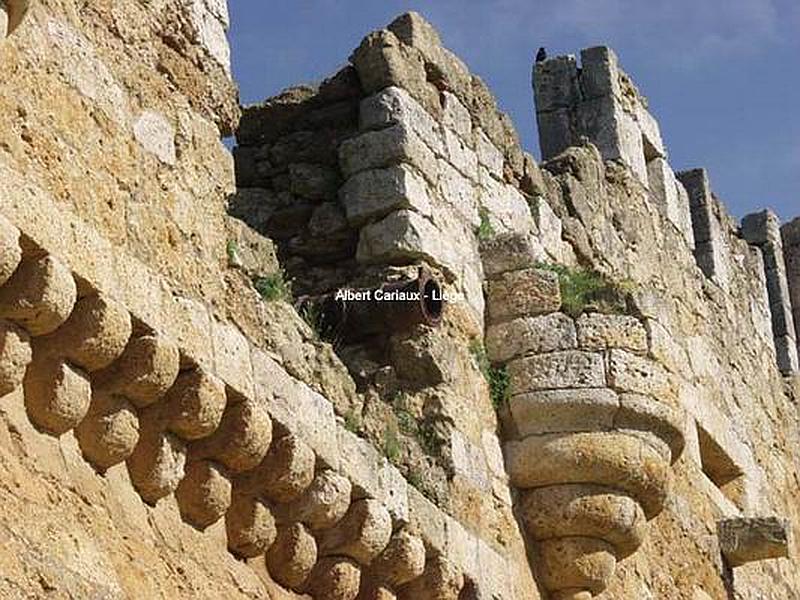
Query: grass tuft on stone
point(273, 287)
point(485, 230)
point(585, 290)
point(496, 377)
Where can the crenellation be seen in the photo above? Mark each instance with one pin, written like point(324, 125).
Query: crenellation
point(790, 237)
point(763, 231)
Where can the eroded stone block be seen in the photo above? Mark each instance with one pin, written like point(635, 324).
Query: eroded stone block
point(15, 355)
point(194, 404)
point(204, 493)
point(523, 293)
point(109, 432)
point(557, 370)
point(748, 539)
point(373, 194)
point(250, 526)
point(597, 331)
point(57, 396)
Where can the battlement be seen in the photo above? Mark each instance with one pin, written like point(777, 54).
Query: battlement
point(607, 382)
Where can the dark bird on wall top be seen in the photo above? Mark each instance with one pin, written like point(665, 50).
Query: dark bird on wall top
point(541, 54)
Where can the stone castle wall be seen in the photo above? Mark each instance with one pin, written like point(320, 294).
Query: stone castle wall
point(158, 412)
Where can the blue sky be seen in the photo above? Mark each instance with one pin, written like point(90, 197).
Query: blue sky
point(722, 76)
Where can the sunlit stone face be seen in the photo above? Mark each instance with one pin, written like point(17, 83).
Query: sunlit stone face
point(3, 20)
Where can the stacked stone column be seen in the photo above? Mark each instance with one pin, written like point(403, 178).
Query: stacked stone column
point(762, 230)
point(591, 425)
point(790, 234)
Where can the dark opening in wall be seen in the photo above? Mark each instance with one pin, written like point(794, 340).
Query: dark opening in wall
point(720, 468)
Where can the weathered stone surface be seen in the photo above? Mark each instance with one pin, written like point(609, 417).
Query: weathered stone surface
point(557, 370)
point(325, 501)
point(312, 181)
point(109, 432)
point(10, 252)
point(551, 411)
point(646, 414)
point(204, 493)
point(584, 510)
point(577, 564)
point(145, 371)
point(156, 135)
point(530, 335)
point(373, 194)
point(194, 404)
point(57, 396)
point(242, 439)
point(335, 578)
point(156, 465)
point(39, 296)
point(597, 331)
point(292, 556)
point(285, 472)
point(362, 534)
point(523, 293)
point(441, 580)
point(747, 539)
point(15, 355)
point(613, 459)
point(380, 149)
point(631, 373)
point(250, 526)
point(395, 105)
point(402, 560)
point(555, 84)
point(509, 252)
point(670, 197)
point(599, 66)
point(402, 237)
point(95, 334)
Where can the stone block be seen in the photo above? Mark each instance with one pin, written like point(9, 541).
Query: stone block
point(110, 431)
point(292, 556)
point(556, 132)
point(787, 353)
point(232, 358)
point(426, 520)
point(442, 578)
point(469, 461)
point(242, 439)
point(651, 134)
point(394, 106)
point(39, 296)
point(489, 156)
point(145, 371)
point(401, 238)
point(194, 405)
point(523, 293)
point(361, 535)
point(204, 494)
point(325, 502)
point(643, 413)
point(669, 197)
point(334, 578)
point(506, 208)
point(373, 194)
point(749, 539)
point(530, 335)
point(402, 560)
point(312, 181)
point(555, 84)
point(599, 74)
point(383, 61)
point(615, 132)
point(95, 334)
point(509, 252)
point(631, 373)
point(285, 472)
point(250, 526)
point(553, 411)
point(57, 396)
point(761, 228)
point(557, 370)
point(156, 465)
point(597, 331)
point(383, 148)
point(455, 116)
point(460, 155)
